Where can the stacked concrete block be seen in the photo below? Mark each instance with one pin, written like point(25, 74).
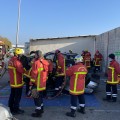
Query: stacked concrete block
point(101, 45)
point(108, 42)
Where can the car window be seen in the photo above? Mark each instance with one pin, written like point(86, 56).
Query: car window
point(65, 56)
point(50, 56)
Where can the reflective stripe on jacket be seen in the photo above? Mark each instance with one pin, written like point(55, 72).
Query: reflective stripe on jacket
point(97, 59)
point(77, 75)
point(16, 71)
point(39, 74)
point(87, 61)
point(113, 71)
point(27, 73)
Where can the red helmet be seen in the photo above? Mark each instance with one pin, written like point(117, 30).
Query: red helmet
point(97, 51)
point(57, 51)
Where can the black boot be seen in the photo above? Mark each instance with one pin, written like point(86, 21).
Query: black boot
point(17, 111)
point(71, 114)
point(114, 99)
point(37, 113)
point(11, 109)
point(42, 109)
point(81, 110)
point(107, 98)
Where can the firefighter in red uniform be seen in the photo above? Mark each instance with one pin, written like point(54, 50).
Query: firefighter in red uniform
point(39, 74)
point(16, 71)
point(87, 60)
point(50, 67)
point(60, 70)
point(83, 54)
point(77, 75)
point(87, 52)
point(111, 85)
point(50, 75)
point(97, 60)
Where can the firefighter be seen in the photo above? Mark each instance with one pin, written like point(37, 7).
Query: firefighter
point(111, 85)
point(50, 81)
point(26, 78)
point(87, 60)
point(60, 71)
point(77, 75)
point(97, 60)
point(16, 71)
point(83, 54)
point(88, 53)
point(26, 65)
point(38, 74)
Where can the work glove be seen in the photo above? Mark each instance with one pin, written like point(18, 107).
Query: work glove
point(34, 93)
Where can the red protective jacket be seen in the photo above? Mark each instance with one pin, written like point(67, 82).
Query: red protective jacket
point(113, 71)
point(50, 67)
point(87, 59)
point(16, 71)
point(39, 73)
point(97, 59)
point(77, 75)
point(60, 65)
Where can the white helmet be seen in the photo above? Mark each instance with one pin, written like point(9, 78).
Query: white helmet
point(78, 58)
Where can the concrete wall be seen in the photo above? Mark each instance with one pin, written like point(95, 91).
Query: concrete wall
point(76, 44)
point(108, 42)
point(27, 47)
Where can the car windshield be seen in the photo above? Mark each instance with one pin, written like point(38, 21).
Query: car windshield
point(49, 56)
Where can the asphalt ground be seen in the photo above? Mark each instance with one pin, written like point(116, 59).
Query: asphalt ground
point(104, 111)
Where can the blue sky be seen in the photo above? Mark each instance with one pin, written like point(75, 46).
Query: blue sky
point(57, 18)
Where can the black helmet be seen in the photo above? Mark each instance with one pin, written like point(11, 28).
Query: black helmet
point(112, 56)
point(39, 53)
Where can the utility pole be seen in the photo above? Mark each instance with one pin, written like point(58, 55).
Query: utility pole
point(18, 23)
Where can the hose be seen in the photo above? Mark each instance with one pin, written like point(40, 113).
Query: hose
point(59, 93)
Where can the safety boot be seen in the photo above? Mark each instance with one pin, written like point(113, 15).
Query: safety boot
point(81, 110)
point(41, 110)
point(71, 114)
point(114, 99)
point(37, 113)
point(107, 98)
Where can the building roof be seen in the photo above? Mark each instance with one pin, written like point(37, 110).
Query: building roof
point(62, 37)
point(19, 46)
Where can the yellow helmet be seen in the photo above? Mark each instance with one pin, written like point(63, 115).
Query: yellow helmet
point(19, 51)
point(86, 50)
